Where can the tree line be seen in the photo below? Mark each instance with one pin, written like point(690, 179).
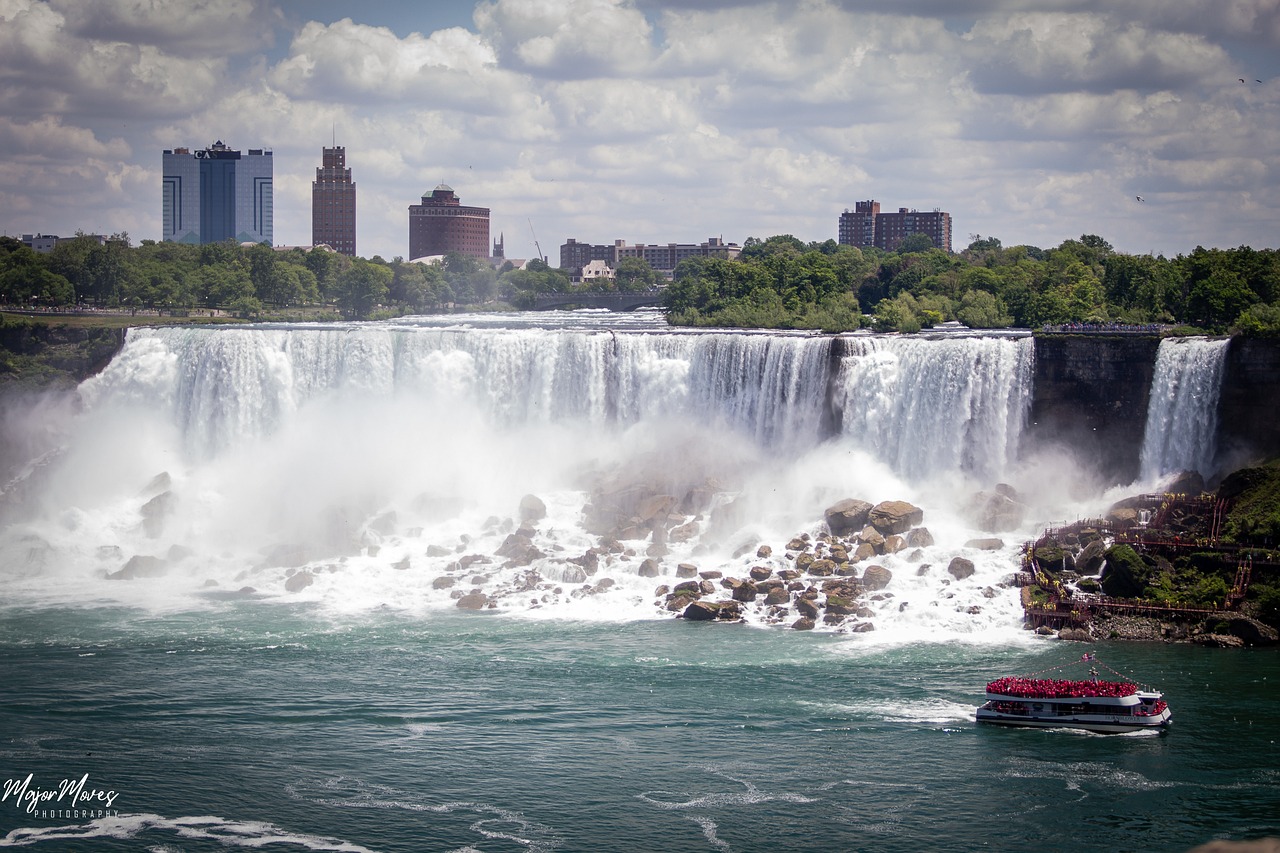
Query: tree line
point(250, 280)
point(780, 282)
point(783, 282)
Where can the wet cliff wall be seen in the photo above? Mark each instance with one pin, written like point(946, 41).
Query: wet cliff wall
point(1092, 391)
point(1091, 394)
point(1249, 408)
point(43, 355)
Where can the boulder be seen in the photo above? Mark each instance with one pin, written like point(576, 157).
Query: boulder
point(438, 551)
point(649, 569)
point(960, 568)
point(443, 582)
point(919, 537)
point(1186, 483)
point(683, 532)
point(678, 601)
point(864, 551)
point(1220, 641)
point(822, 568)
point(1077, 635)
point(997, 513)
point(764, 552)
point(705, 611)
point(989, 544)
point(847, 516)
point(299, 581)
point(876, 577)
point(895, 517)
point(804, 623)
point(1122, 516)
point(156, 511)
point(139, 566)
point(1050, 555)
point(686, 570)
point(473, 601)
point(760, 573)
point(777, 595)
point(840, 606)
point(1252, 632)
point(655, 507)
point(807, 607)
point(893, 543)
point(871, 536)
point(745, 591)
point(1090, 559)
point(532, 509)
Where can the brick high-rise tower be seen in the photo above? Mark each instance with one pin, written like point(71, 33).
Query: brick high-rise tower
point(333, 203)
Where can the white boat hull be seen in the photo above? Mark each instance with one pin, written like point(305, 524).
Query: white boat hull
point(1102, 723)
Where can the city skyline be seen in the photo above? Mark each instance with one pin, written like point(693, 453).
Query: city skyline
point(674, 119)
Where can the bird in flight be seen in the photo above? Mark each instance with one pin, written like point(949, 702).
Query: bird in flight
point(1241, 79)
point(1139, 198)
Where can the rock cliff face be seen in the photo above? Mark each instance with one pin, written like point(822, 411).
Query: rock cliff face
point(1091, 394)
point(44, 355)
point(1247, 423)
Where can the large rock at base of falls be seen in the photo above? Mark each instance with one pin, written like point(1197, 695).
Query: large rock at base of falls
point(532, 509)
point(1090, 559)
point(895, 516)
point(919, 537)
point(847, 516)
point(706, 611)
point(876, 577)
point(299, 581)
point(997, 513)
point(960, 568)
point(155, 512)
point(139, 566)
point(473, 601)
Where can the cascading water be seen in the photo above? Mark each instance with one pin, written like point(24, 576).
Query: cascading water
point(385, 465)
point(1182, 415)
point(929, 407)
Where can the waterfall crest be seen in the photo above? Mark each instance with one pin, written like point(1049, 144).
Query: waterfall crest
point(1182, 415)
point(929, 407)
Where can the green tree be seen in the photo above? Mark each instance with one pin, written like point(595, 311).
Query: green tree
point(635, 274)
point(361, 287)
point(980, 309)
point(1258, 321)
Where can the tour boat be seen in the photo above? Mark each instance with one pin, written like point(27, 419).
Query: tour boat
point(1090, 704)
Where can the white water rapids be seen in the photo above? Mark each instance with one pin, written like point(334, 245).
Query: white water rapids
point(388, 462)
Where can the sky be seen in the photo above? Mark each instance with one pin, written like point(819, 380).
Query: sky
point(658, 121)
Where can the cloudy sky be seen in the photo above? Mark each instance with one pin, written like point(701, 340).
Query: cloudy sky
point(662, 120)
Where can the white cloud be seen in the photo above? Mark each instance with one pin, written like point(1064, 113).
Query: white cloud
point(568, 38)
point(1041, 53)
point(348, 61)
point(208, 27)
point(652, 120)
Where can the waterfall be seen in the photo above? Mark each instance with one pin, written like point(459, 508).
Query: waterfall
point(929, 407)
point(1182, 415)
point(224, 386)
point(563, 470)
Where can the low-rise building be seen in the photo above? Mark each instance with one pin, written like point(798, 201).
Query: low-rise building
point(664, 257)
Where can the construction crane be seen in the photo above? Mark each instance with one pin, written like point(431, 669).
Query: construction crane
point(541, 256)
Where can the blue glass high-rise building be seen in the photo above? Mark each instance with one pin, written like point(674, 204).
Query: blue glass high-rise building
point(216, 193)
